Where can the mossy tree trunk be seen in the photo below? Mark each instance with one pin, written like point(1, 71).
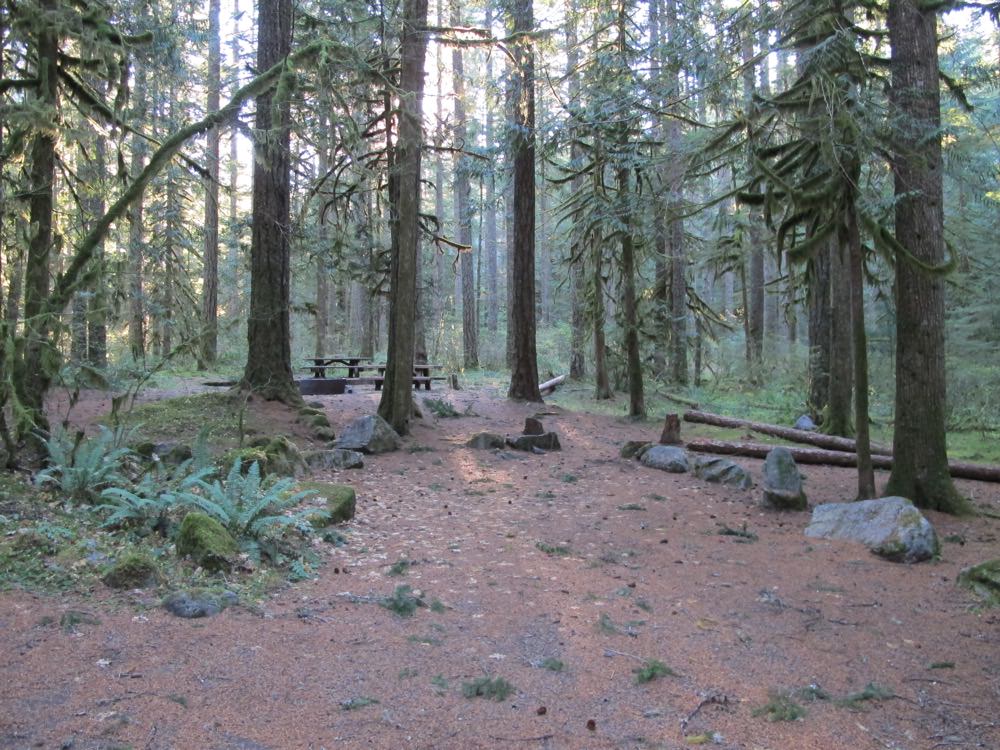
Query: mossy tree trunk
point(210, 255)
point(920, 466)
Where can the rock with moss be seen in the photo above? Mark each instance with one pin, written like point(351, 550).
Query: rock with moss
point(246, 456)
point(890, 527)
point(782, 481)
point(336, 459)
point(722, 471)
point(207, 542)
point(369, 434)
point(133, 571)
point(983, 580)
point(199, 603)
point(635, 449)
point(283, 457)
point(548, 441)
point(340, 500)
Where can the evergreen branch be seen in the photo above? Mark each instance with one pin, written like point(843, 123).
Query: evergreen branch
point(70, 279)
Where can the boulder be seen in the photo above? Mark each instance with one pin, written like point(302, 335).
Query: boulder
point(548, 441)
point(722, 471)
point(133, 571)
point(334, 459)
point(206, 541)
point(635, 448)
point(340, 501)
point(283, 457)
point(486, 441)
point(782, 481)
point(891, 527)
point(533, 426)
point(666, 458)
point(805, 423)
point(984, 580)
point(191, 605)
point(370, 434)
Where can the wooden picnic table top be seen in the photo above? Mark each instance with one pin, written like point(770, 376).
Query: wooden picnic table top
point(330, 359)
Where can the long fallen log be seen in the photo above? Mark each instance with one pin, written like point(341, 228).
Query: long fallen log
point(958, 469)
point(550, 385)
point(830, 442)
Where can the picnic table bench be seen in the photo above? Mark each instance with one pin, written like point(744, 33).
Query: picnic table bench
point(356, 368)
point(353, 364)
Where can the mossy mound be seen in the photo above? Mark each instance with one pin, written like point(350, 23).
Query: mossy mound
point(206, 541)
point(341, 501)
point(133, 571)
point(983, 580)
point(181, 418)
point(277, 455)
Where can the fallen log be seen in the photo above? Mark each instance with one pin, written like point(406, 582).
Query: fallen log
point(550, 385)
point(830, 442)
point(958, 469)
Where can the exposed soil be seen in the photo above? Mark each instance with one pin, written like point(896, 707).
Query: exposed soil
point(577, 556)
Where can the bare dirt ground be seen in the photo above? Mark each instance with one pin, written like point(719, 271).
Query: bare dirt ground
point(577, 556)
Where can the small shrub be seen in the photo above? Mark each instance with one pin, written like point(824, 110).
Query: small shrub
point(399, 568)
point(441, 408)
point(361, 701)
point(651, 670)
point(780, 707)
point(550, 549)
point(870, 693)
point(553, 665)
point(402, 602)
point(741, 534)
point(497, 689)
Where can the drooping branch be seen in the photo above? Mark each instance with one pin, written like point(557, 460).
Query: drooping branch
point(74, 274)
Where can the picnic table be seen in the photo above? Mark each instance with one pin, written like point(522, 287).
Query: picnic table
point(421, 375)
point(353, 364)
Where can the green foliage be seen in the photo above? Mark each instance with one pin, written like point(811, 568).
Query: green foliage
point(780, 707)
point(742, 534)
point(147, 505)
point(497, 689)
point(253, 510)
point(651, 670)
point(441, 408)
point(399, 568)
point(556, 550)
point(552, 664)
point(403, 602)
point(352, 704)
point(81, 468)
point(870, 693)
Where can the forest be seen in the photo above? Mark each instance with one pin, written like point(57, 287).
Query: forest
point(741, 215)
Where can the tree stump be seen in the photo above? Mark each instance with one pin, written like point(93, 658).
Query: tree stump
point(533, 426)
point(671, 434)
point(453, 381)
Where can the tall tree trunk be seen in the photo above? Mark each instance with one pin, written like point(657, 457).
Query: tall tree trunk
point(268, 369)
point(754, 286)
point(577, 259)
point(396, 405)
point(210, 255)
point(602, 381)
point(489, 245)
point(633, 362)
point(233, 239)
point(544, 253)
point(675, 221)
point(97, 305)
point(819, 331)
point(661, 272)
point(920, 466)
point(524, 373)
point(463, 204)
point(838, 419)
point(136, 242)
point(851, 237)
point(38, 365)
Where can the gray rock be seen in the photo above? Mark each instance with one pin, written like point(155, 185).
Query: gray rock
point(722, 471)
point(891, 527)
point(532, 443)
point(486, 441)
point(191, 606)
point(666, 458)
point(370, 434)
point(805, 423)
point(635, 449)
point(335, 458)
point(782, 482)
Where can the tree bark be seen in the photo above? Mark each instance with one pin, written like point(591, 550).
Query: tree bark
point(39, 362)
point(268, 369)
point(919, 442)
point(490, 229)
point(818, 280)
point(210, 254)
point(838, 418)
point(136, 243)
point(524, 372)
point(396, 405)
point(675, 222)
point(577, 259)
point(637, 403)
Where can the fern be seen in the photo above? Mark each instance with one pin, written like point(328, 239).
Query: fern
point(252, 509)
point(82, 468)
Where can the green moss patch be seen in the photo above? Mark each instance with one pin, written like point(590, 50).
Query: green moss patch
point(983, 580)
point(207, 542)
point(133, 571)
point(341, 501)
